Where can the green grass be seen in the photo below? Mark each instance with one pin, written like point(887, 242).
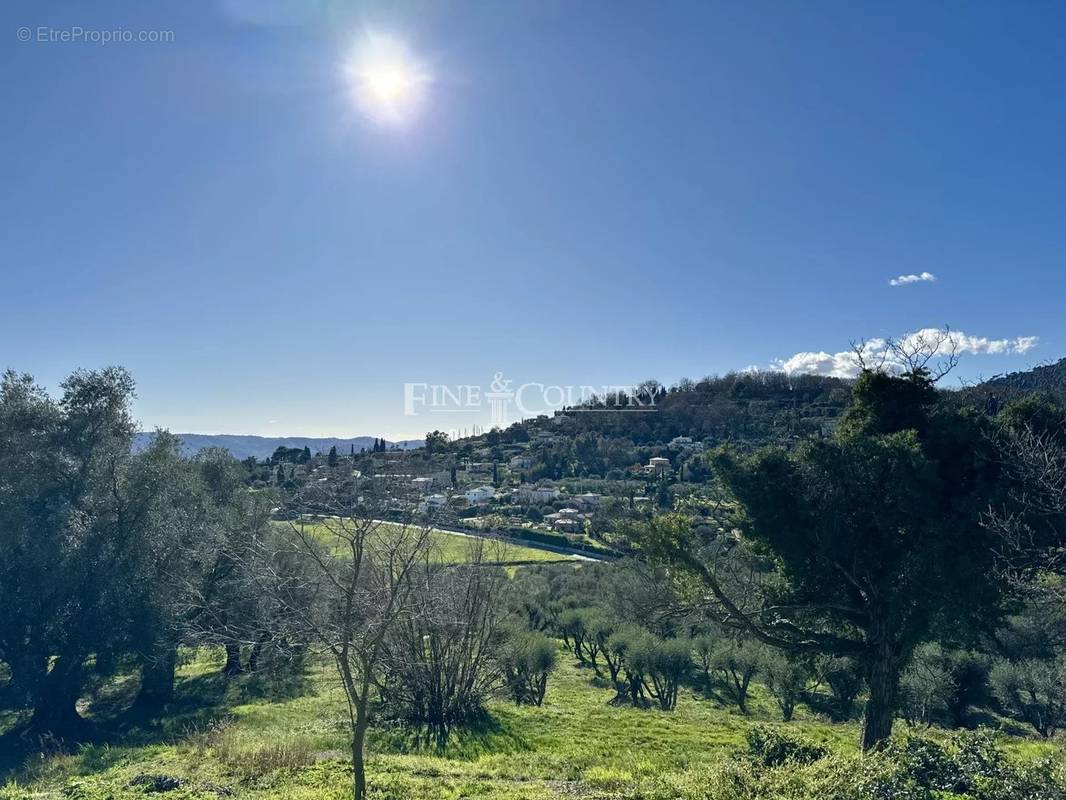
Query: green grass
point(455, 548)
point(575, 746)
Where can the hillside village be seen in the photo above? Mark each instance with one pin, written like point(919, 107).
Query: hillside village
point(580, 477)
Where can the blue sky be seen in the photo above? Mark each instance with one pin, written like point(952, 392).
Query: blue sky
point(590, 192)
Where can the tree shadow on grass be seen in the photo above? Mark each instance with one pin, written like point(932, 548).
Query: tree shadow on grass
point(200, 701)
point(716, 690)
point(829, 707)
point(480, 735)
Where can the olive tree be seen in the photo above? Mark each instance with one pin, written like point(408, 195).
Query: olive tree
point(79, 514)
point(528, 658)
point(1034, 690)
point(786, 677)
point(735, 662)
point(926, 685)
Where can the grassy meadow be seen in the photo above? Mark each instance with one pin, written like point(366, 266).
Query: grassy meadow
point(451, 547)
point(236, 738)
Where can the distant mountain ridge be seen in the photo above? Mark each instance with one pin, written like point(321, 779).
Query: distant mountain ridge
point(264, 446)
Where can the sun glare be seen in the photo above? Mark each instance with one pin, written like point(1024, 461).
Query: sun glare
point(388, 84)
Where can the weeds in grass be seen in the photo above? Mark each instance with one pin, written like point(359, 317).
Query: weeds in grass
point(252, 760)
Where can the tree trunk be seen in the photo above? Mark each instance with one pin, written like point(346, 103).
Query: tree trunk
point(157, 679)
point(257, 651)
point(788, 708)
point(55, 701)
point(882, 676)
point(233, 659)
point(358, 760)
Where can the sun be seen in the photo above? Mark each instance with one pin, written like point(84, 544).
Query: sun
point(387, 82)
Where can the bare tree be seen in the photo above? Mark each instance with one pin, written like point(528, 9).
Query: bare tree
point(931, 353)
point(1031, 526)
point(341, 581)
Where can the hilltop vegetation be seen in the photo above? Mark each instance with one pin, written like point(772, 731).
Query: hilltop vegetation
point(1047, 379)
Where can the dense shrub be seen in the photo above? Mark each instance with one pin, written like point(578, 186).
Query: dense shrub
point(969, 765)
point(771, 748)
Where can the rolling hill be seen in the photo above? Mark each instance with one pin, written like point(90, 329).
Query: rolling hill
point(1047, 379)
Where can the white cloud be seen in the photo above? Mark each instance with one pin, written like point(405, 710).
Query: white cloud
point(845, 364)
point(1023, 344)
point(903, 280)
point(837, 365)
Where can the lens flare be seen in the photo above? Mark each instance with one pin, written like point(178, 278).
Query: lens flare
point(387, 82)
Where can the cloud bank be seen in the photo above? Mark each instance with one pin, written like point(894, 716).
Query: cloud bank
point(903, 280)
point(845, 364)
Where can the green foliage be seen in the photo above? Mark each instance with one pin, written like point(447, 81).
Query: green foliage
point(527, 659)
point(1034, 690)
point(660, 665)
point(926, 685)
point(703, 647)
point(736, 661)
point(772, 748)
point(883, 404)
point(844, 677)
point(85, 529)
point(864, 534)
point(436, 442)
point(786, 678)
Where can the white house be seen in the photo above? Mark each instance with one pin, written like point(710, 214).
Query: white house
point(481, 494)
point(566, 519)
point(433, 502)
point(588, 501)
point(686, 445)
point(537, 494)
point(657, 466)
